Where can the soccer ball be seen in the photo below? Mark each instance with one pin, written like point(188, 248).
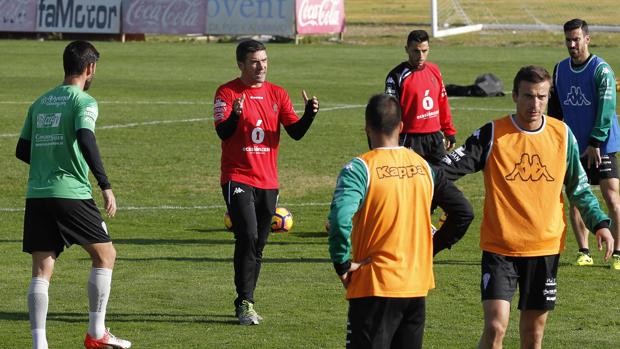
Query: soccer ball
point(228, 221)
point(282, 221)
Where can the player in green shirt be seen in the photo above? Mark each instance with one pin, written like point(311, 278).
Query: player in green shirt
point(58, 142)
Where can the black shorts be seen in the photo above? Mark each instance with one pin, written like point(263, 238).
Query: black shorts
point(50, 224)
point(607, 169)
point(536, 277)
point(430, 146)
point(390, 323)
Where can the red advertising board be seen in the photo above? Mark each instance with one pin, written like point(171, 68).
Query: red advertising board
point(319, 16)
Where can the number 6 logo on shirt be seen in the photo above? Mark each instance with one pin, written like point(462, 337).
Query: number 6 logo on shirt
point(427, 102)
point(258, 134)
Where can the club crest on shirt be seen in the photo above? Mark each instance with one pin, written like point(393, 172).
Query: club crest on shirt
point(219, 109)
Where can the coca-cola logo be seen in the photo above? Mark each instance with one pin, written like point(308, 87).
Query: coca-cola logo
point(165, 13)
point(319, 13)
point(16, 11)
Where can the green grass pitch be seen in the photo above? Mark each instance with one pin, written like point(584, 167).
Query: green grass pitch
point(173, 286)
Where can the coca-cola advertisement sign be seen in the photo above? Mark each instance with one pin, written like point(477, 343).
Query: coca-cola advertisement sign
point(164, 16)
point(18, 15)
point(320, 16)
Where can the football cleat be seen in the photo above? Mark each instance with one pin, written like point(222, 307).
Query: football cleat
point(108, 341)
point(615, 262)
point(583, 259)
point(246, 314)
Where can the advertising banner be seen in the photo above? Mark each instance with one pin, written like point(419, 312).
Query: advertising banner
point(238, 17)
point(18, 15)
point(320, 16)
point(164, 16)
point(79, 16)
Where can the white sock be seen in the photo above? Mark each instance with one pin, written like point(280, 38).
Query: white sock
point(39, 339)
point(99, 283)
point(38, 301)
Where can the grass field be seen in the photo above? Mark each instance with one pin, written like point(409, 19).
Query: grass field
point(173, 286)
point(482, 11)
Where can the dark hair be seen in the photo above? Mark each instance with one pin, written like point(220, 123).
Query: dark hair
point(417, 36)
point(576, 23)
point(77, 56)
point(248, 46)
point(531, 73)
point(383, 113)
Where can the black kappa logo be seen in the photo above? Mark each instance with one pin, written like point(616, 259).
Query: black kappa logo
point(530, 168)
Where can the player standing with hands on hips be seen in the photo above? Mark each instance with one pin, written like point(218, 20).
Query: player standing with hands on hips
point(58, 141)
point(380, 235)
point(418, 86)
point(248, 112)
point(584, 96)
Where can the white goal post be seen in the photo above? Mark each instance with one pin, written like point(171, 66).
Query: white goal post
point(452, 17)
point(440, 29)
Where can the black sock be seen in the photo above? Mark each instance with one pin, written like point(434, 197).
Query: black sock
point(585, 251)
point(617, 252)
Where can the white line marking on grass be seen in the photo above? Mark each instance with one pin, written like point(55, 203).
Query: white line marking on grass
point(147, 123)
point(179, 207)
point(158, 122)
point(132, 102)
point(482, 109)
point(11, 209)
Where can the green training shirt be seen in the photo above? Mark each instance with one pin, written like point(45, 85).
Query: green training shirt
point(57, 167)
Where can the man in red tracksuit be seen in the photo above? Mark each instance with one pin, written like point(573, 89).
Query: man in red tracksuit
point(418, 86)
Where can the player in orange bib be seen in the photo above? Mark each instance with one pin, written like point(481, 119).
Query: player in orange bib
point(380, 236)
point(526, 158)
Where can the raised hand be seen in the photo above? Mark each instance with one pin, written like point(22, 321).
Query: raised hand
point(238, 105)
point(311, 105)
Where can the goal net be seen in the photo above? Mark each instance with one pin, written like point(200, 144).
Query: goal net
point(450, 17)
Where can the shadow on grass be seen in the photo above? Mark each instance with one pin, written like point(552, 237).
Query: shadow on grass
point(121, 317)
point(172, 242)
point(222, 260)
point(10, 241)
point(273, 240)
point(477, 263)
point(457, 262)
point(210, 230)
point(317, 234)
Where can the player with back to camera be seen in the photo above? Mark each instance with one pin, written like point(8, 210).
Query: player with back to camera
point(584, 96)
point(58, 142)
point(418, 86)
point(380, 235)
point(527, 158)
point(248, 112)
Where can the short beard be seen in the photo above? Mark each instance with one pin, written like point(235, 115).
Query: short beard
point(87, 84)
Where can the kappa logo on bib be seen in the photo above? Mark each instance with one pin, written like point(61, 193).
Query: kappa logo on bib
point(576, 97)
point(530, 169)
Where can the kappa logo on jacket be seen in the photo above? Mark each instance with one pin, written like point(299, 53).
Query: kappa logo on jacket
point(530, 168)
